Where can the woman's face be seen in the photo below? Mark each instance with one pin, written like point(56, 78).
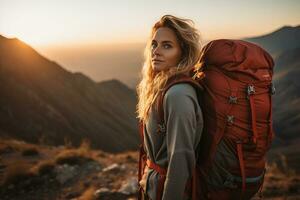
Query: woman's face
point(165, 50)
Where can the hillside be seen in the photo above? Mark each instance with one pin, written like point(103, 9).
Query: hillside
point(40, 100)
point(280, 40)
point(34, 172)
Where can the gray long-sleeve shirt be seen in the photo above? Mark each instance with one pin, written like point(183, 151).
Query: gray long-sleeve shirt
point(176, 147)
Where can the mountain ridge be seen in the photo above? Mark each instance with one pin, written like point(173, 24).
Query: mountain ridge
point(43, 97)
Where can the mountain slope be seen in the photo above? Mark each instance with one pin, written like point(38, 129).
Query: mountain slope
point(287, 98)
point(283, 39)
point(40, 100)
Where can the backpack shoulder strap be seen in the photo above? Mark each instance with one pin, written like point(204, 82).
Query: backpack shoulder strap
point(142, 158)
point(176, 79)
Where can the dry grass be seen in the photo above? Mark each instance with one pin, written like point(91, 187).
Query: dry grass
point(280, 180)
point(18, 172)
point(68, 143)
point(88, 194)
point(75, 156)
point(11, 146)
point(6, 147)
point(280, 167)
point(44, 167)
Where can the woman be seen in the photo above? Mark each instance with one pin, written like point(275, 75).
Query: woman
point(173, 49)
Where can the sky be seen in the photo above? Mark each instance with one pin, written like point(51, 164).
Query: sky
point(74, 22)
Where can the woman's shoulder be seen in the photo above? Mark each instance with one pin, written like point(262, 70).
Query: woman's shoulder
point(180, 96)
point(181, 99)
point(180, 90)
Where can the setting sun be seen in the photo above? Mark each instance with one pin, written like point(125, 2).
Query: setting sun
point(39, 24)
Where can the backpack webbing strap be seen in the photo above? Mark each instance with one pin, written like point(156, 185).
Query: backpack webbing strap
point(250, 95)
point(251, 92)
point(242, 164)
point(262, 185)
point(162, 174)
point(253, 118)
point(142, 158)
point(270, 136)
point(162, 177)
point(156, 167)
point(194, 184)
point(160, 187)
point(142, 152)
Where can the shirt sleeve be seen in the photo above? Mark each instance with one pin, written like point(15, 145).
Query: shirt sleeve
point(180, 110)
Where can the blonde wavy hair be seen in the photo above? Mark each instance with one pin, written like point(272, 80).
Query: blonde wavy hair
point(152, 82)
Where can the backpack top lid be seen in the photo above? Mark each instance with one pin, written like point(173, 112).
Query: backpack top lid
point(239, 56)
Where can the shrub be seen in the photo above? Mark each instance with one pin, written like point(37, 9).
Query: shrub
point(44, 167)
point(16, 173)
point(75, 156)
point(30, 151)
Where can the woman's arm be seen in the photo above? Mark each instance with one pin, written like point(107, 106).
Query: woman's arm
point(182, 114)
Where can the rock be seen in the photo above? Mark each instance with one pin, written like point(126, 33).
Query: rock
point(129, 187)
point(11, 186)
point(72, 195)
point(102, 154)
point(86, 184)
point(106, 194)
point(93, 166)
point(123, 167)
point(112, 168)
point(101, 190)
point(98, 167)
point(27, 182)
point(7, 150)
point(131, 159)
point(65, 173)
point(2, 167)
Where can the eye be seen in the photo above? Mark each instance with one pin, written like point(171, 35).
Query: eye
point(153, 45)
point(167, 46)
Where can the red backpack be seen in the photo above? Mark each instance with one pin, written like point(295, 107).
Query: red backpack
point(235, 96)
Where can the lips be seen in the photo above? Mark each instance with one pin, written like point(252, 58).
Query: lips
point(157, 61)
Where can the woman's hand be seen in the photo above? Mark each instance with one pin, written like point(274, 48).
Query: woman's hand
point(143, 180)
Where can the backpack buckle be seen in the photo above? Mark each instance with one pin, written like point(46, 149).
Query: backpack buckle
point(161, 128)
point(272, 89)
point(230, 119)
point(232, 99)
point(250, 90)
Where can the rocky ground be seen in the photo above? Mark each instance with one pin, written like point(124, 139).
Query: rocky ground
point(36, 172)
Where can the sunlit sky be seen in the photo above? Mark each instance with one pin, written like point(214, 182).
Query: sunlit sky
point(62, 22)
